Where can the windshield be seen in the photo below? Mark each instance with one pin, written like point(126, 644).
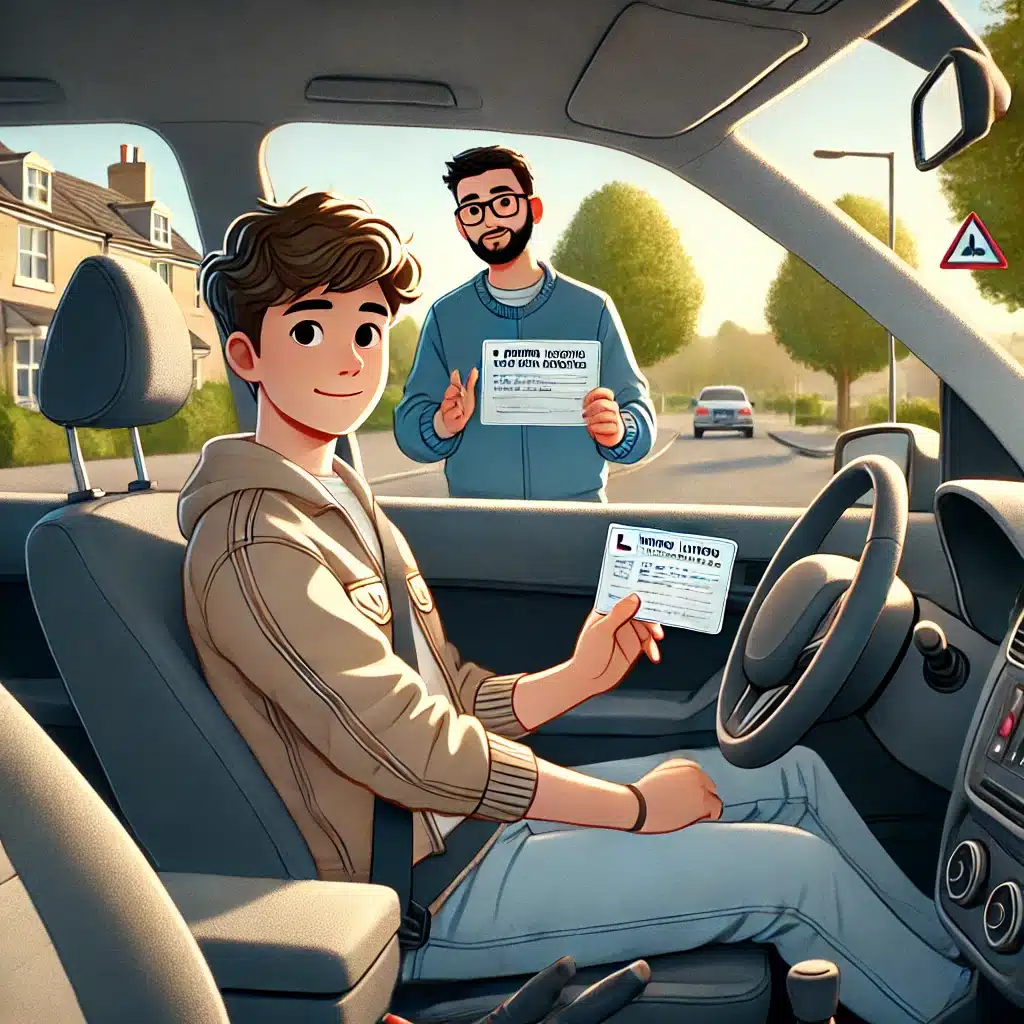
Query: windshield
point(722, 395)
point(833, 133)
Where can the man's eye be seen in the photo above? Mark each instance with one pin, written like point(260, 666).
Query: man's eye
point(504, 204)
point(307, 333)
point(367, 335)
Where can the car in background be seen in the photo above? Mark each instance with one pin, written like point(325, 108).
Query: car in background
point(723, 407)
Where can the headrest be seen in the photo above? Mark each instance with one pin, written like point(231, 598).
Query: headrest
point(118, 352)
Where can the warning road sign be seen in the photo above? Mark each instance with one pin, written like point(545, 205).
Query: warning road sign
point(973, 249)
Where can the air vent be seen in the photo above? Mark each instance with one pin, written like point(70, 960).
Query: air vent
point(1015, 652)
point(792, 6)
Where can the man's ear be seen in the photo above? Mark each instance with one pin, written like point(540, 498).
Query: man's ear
point(459, 225)
point(241, 357)
point(536, 208)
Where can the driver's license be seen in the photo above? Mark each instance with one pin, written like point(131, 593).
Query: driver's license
point(681, 579)
point(537, 383)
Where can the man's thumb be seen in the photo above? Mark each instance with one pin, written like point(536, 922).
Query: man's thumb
point(622, 612)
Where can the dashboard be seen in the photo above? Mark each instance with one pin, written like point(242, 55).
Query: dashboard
point(980, 883)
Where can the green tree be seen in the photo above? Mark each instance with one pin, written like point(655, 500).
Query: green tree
point(823, 329)
point(402, 344)
point(988, 178)
point(621, 241)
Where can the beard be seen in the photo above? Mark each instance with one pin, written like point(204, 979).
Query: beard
point(514, 248)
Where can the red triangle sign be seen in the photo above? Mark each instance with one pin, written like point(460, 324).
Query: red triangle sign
point(973, 248)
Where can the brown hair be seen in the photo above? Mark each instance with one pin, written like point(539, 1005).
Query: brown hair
point(487, 158)
point(276, 254)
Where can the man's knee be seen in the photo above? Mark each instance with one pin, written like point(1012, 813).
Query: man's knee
point(805, 769)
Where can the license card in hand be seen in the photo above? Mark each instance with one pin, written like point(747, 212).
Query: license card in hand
point(682, 579)
point(537, 383)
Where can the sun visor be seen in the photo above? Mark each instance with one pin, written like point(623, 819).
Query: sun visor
point(658, 73)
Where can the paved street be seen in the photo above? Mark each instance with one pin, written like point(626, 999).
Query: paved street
point(719, 469)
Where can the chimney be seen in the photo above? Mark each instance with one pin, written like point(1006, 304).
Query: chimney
point(133, 179)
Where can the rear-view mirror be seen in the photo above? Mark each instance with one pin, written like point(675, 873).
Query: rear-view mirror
point(956, 106)
point(693, 403)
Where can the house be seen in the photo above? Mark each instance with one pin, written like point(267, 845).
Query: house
point(50, 222)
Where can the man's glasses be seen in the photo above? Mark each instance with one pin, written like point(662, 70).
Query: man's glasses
point(505, 206)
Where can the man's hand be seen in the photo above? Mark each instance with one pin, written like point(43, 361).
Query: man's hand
point(602, 418)
point(609, 646)
point(542, 998)
point(678, 793)
point(457, 406)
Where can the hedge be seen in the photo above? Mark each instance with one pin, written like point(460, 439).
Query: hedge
point(27, 438)
point(922, 411)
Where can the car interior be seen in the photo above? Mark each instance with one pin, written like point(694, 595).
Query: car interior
point(902, 666)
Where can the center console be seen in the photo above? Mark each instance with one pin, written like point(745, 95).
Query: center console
point(980, 888)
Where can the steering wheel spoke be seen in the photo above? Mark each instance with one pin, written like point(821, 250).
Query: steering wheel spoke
point(754, 707)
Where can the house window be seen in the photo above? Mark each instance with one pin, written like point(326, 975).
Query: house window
point(37, 186)
point(197, 374)
point(161, 229)
point(28, 353)
point(164, 270)
point(35, 246)
point(199, 293)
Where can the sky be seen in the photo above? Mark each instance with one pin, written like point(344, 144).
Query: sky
point(860, 101)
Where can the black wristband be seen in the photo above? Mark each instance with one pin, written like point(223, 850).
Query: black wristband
point(641, 817)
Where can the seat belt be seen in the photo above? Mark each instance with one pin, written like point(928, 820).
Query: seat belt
point(392, 856)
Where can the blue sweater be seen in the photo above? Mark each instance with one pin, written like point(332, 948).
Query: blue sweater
point(542, 463)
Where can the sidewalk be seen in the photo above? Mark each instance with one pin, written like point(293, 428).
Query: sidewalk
point(814, 442)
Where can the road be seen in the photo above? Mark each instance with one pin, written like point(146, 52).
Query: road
point(719, 469)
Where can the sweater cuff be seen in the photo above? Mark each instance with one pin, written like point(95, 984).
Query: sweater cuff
point(493, 706)
point(511, 782)
point(628, 442)
point(442, 447)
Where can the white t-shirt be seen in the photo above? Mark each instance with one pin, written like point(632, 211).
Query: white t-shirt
point(430, 671)
point(516, 296)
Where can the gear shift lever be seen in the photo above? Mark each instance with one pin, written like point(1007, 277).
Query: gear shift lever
point(813, 987)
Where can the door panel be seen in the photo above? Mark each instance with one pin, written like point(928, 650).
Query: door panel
point(514, 583)
point(556, 549)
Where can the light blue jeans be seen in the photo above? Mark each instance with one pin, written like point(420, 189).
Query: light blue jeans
point(795, 866)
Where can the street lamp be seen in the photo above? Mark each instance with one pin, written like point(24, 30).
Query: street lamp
point(838, 154)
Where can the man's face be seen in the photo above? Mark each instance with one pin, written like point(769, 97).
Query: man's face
point(323, 358)
point(495, 216)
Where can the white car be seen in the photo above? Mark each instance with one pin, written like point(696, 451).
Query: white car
point(723, 407)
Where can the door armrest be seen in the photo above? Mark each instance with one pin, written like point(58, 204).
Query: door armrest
point(306, 938)
point(641, 713)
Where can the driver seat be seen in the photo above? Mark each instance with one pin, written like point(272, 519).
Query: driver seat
point(105, 572)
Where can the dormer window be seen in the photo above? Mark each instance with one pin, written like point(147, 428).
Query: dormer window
point(38, 181)
point(161, 230)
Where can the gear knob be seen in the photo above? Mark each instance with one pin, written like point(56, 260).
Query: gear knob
point(813, 987)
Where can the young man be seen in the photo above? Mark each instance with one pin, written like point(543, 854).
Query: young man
point(517, 298)
point(286, 600)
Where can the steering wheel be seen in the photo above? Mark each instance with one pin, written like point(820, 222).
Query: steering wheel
point(809, 621)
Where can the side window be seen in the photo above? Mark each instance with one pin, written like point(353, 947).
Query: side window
point(67, 193)
point(751, 359)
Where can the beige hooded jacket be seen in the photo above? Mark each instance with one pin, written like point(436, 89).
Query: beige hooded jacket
point(290, 615)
